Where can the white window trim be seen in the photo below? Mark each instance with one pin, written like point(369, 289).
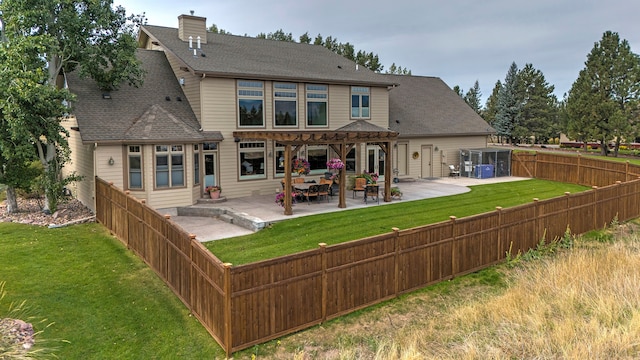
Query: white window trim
point(360, 92)
point(169, 152)
point(262, 148)
point(140, 155)
point(251, 90)
point(324, 100)
point(279, 94)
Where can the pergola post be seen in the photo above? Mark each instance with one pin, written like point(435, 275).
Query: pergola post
point(342, 200)
point(288, 208)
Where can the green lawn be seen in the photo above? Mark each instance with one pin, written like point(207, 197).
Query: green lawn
point(103, 301)
point(305, 233)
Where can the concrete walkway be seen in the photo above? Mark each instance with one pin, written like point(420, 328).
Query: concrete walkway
point(258, 211)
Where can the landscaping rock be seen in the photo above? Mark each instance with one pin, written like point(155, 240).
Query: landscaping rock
point(30, 212)
point(16, 332)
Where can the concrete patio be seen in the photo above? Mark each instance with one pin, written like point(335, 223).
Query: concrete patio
point(241, 216)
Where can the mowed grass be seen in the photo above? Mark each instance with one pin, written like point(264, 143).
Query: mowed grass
point(103, 301)
point(305, 233)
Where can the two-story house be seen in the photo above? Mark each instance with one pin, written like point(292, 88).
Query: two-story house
point(190, 125)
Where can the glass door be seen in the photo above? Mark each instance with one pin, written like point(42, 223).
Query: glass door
point(375, 160)
point(210, 169)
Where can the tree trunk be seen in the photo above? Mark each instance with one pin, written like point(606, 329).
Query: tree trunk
point(12, 200)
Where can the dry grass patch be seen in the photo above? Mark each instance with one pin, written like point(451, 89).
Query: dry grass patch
point(580, 303)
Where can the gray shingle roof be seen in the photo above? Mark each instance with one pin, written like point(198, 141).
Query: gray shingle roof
point(247, 57)
point(137, 114)
point(426, 106)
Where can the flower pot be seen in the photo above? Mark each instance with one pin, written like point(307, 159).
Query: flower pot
point(215, 194)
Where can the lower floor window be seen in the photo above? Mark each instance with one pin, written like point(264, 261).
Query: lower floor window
point(169, 166)
point(252, 160)
point(135, 166)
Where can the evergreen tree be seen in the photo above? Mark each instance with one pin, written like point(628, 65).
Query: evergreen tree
point(458, 91)
point(491, 106)
point(539, 106)
point(472, 98)
point(509, 106)
point(605, 96)
point(305, 39)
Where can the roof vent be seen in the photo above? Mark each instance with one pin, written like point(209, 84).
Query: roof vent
point(106, 96)
point(168, 98)
point(178, 98)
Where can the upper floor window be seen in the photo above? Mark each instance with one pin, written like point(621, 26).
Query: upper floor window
point(134, 156)
point(360, 102)
point(285, 97)
point(250, 103)
point(252, 156)
point(169, 166)
point(317, 105)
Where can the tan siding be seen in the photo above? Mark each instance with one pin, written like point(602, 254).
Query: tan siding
point(448, 153)
point(339, 106)
point(192, 26)
point(380, 107)
point(82, 165)
point(112, 173)
point(191, 86)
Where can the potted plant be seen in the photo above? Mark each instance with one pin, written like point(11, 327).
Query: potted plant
point(396, 193)
point(213, 191)
point(335, 164)
point(280, 198)
point(300, 166)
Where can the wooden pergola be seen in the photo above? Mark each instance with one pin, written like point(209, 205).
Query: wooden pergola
point(341, 140)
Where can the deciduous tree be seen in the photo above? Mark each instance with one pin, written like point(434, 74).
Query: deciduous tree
point(89, 36)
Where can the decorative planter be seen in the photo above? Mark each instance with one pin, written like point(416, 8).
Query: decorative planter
point(215, 194)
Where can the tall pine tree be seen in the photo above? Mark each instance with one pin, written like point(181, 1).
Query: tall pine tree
point(604, 99)
point(509, 106)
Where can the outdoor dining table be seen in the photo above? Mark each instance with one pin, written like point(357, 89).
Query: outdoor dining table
point(303, 186)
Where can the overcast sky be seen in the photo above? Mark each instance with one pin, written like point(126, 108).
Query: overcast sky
point(459, 41)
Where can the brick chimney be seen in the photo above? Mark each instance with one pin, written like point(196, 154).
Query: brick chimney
point(194, 26)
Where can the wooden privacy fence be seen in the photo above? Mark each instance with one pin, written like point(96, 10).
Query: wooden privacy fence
point(245, 305)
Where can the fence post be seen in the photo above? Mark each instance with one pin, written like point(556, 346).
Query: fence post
point(323, 261)
point(626, 171)
point(578, 170)
point(396, 259)
point(228, 343)
point(536, 207)
point(595, 205)
point(192, 299)
point(566, 212)
point(500, 247)
point(454, 268)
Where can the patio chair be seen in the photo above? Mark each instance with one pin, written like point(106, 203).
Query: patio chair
point(323, 190)
point(329, 182)
point(373, 191)
point(298, 180)
point(453, 171)
point(312, 191)
point(360, 185)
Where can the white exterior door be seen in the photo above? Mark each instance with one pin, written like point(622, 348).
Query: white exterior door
point(426, 162)
point(375, 159)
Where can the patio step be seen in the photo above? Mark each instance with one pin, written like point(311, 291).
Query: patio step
point(224, 214)
point(226, 218)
